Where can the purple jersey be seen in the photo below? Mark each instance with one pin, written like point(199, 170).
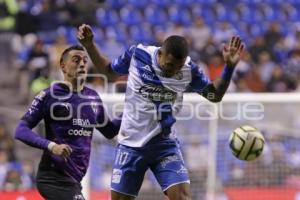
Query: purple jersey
point(70, 118)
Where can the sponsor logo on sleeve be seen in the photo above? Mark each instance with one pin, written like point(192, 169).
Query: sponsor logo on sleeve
point(41, 95)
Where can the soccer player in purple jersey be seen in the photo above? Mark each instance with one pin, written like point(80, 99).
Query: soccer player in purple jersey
point(70, 111)
point(157, 79)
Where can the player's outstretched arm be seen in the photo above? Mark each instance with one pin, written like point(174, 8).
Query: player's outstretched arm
point(31, 118)
point(231, 54)
point(85, 36)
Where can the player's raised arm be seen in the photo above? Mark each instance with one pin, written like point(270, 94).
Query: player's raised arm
point(85, 36)
point(231, 55)
point(120, 65)
point(215, 91)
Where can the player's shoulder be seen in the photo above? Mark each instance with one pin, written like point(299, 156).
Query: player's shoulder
point(57, 90)
point(89, 90)
point(189, 64)
point(91, 93)
point(145, 53)
point(188, 61)
point(147, 48)
point(194, 66)
point(42, 95)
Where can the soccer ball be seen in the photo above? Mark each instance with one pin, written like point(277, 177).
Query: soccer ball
point(246, 143)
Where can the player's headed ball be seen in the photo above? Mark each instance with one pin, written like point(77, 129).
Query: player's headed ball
point(246, 143)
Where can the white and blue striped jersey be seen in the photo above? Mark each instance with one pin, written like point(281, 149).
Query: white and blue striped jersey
point(152, 100)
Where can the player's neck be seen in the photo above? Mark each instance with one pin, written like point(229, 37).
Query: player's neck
point(77, 84)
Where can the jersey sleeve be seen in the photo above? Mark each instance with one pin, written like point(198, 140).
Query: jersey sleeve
point(121, 64)
point(199, 79)
point(31, 118)
point(35, 112)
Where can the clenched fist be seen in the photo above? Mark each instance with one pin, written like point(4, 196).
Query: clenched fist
point(85, 35)
point(62, 150)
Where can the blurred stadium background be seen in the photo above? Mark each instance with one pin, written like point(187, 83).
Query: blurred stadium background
point(33, 33)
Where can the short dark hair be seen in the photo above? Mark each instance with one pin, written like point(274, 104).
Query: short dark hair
point(177, 46)
point(67, 50)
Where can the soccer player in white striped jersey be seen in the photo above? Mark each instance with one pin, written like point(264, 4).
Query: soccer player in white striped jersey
point(157, 78)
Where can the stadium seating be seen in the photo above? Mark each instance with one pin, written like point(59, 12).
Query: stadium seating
point(130, 16)
point(141, 34)
point(155, 16)
point(138, 4)
point(160, 13)
point(178, 15)
point(116, 4)
point(107, 17)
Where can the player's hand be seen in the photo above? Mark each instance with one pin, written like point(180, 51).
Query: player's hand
point(232, 52)
point(63, 150)
point(85, 35)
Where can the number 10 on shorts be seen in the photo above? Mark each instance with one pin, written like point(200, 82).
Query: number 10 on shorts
point(121, 157)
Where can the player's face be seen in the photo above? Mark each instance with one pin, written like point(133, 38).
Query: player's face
point(169, 65)
point(75, 65)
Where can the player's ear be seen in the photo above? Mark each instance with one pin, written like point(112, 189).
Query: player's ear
point(63, 66)
point(160, 51)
